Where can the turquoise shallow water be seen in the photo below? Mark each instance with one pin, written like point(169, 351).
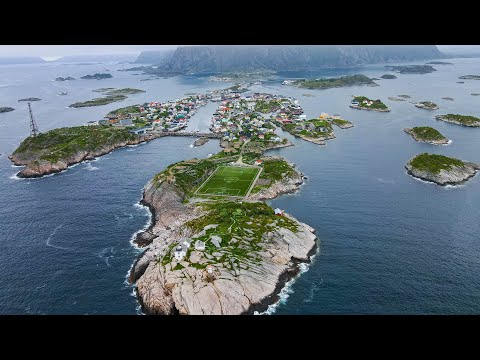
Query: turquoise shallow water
point(389, 244)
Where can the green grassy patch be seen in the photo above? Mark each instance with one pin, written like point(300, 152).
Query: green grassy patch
point(434, 163)
point(349, 80)
point(428, 133)
point(230, 181)
point(62, 143)
point(463, 119)
point(341, 122)
point(376, 104)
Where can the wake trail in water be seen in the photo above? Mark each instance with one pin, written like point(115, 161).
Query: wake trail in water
point(49, 239)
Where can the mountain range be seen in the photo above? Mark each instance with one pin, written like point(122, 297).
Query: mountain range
point(234, 58)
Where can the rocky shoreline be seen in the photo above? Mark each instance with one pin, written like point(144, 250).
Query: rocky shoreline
point(42, 168)
point(433, 142)
point(450, 120)
point(454, 176)
point(161, 289)
point(200, 141)
point(369, 109)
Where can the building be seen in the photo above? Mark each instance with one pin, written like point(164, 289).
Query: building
point(199, 245)
point(258, 162)
point(92, 123)
point(180, 252)
point(279, 212)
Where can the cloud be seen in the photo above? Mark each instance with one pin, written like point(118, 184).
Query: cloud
point(56, 51)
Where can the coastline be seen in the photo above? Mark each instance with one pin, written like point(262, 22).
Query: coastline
point(145, 262)
point(47, 168)
point(432, 142)
point(451, 178)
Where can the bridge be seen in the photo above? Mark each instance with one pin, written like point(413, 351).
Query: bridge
point(209, 135)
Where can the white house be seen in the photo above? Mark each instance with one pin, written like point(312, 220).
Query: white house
point(179, 253)
point(199, 245)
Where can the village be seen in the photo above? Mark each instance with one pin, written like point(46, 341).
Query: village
point(237, 119)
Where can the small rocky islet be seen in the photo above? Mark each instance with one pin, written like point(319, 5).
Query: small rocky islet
point(469, 77)
point(388, 76)
point(440, 169)
point(428, 135)
point(97, 76)
point(68, 78)
point(30, 99)
point(427, 105)
point(5, 109)
point(464, 120)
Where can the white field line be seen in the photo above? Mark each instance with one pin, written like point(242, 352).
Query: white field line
point(253, 182)
point(201, 186)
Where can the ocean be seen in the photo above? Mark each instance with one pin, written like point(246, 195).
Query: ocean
point(389, 244)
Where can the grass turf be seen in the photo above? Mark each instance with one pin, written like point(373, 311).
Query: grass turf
point(229, 181)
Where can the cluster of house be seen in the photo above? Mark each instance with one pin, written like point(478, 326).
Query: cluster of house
point(355, 103)
point(165, 116)
point(237, 119)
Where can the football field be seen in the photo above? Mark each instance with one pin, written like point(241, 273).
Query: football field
point(229, 181)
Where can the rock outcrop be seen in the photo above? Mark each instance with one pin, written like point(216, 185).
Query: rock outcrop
point(285, 186)
point(174, 287)
point(454, 176)
point(40, 168)
point(443, 141)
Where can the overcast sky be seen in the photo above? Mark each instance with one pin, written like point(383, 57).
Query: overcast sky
point(55, 51)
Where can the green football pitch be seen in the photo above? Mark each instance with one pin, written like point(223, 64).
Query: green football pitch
point(229, 181)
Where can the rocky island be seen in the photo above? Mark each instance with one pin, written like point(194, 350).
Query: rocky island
point(64, 78)
point(428, 135)
point(200, 141)
point(111, 95)
point(342, 124)
point(411, 69)
point(439, 63)
point(464, 120)
point(349, 80)
point(313, 130)
point(441, 170)
point(447, 98)
point(364, 103)
point(218, 254)
point(427, 105)
point(30, 99)
point(97, 76)
point(388, 76)
point(57, 149)
point(6, 109)
point(470, 77)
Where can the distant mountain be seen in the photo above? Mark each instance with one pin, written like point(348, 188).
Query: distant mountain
point(234, 58)
point(461, 51)
point(96, 58)
point(154, 56)
point(21, 60)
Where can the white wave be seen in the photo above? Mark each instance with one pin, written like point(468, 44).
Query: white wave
point(89, 167)
point(103, 254)
point(16, 166)
point(287, 289)
point(190, 146)
point(148, 213)
point(48, 242)
point(432, 183)
point(448, 143)
point(15, 177)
